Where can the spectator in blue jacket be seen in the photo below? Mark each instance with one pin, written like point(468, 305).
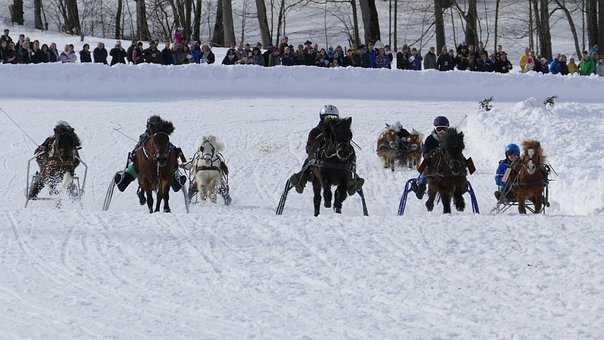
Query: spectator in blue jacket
point(196, 53)
point(415, 60)
point(555, 67)
point(512, 153)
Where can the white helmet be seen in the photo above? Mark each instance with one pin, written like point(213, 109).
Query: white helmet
point(329, 111)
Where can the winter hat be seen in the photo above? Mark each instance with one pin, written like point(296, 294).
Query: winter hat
point(441, 121)
point(378, 44)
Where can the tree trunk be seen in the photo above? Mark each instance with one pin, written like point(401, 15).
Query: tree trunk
point(531, 28)
point(439, 23)
point(601, 28)
point(73, 18)
point(497, 3)
point(592, 22)
point(389, 22)
point(263, 23)
point(471, 25)
point(38, 15)
point(188, 15)
point(371, 21)
point(227, 23)
point(571, 23)
point(142, 28)
point(218, 35)
point(118, 19)
point(16, 12)
point(197, 21)
point(279, 21)
point(396, 24)
point(546, 37)
point(355, 20)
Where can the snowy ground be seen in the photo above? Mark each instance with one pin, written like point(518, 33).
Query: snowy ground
point(240, 272)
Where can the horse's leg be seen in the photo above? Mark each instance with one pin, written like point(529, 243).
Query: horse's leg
point(538, 202)
point(521, 198)
point(149, 194)
point(316, 188)
point(160, 196)
point(431, 198)
point(340, 197)
point(166, 198)
point(445, 198)
point(460, 203)
point(213, 184)
point(327, 195)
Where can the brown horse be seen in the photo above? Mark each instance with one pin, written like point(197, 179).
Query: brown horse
point(446, 173)
point(388, 147)
point(157, 161)
point(414, 152)
point(528, 176)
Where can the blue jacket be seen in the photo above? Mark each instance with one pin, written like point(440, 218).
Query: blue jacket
point(501, 169)
point(416, 64)
point(555, 67)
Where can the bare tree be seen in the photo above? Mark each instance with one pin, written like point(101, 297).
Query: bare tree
point(592, 22)
point(218, 34)
point(38, 15)
point(197, 21)
point(227, 23)
point(439, 23)
point(263, 22)
point(16, 12)
point(72, 24)
point(371, 21)
point(601, 27)
point(118, 20)
point(562, 5)
point(497, 4)
point(142, 27)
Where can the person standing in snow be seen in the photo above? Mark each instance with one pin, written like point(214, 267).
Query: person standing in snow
point(68, 55)
point(85, 54)
point(118, 54)
point(100, 54)
point(53, 53)
point(600, 68)
point(512, 153)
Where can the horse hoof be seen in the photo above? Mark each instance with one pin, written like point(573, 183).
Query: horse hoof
point(167, 210)
point(430, 206)
point(327, 204)
point(338, 210)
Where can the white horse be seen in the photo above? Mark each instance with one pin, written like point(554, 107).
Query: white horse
point(207, 167)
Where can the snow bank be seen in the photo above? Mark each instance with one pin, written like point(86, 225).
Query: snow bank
point(571, 135)
point(155, 82)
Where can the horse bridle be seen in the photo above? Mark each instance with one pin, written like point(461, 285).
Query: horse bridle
point(211, 157)
point(157, 155)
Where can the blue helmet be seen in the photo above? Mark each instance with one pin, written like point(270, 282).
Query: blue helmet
point(441, 121)
point(512, 149)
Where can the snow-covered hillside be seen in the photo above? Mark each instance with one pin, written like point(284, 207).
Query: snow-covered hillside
point(241, 272)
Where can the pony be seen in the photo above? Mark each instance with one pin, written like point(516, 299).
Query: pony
point(414, 150)
point(528, 176)
point(156, 162)
point(332, 163)
point(447, 172)
point(208, 167)
point(388, 147)
point(58, 164)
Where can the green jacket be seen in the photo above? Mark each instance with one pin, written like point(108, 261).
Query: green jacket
point(587, 68)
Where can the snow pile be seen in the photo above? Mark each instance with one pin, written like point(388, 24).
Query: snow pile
point(156, 82)
point(571, 135)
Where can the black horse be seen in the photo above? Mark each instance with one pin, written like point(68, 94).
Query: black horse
point(447, 172)
point(333, 164)
point(57, 157)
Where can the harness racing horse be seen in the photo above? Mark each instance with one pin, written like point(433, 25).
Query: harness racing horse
point(333, 164)
point(57, 165)
point(157, 161)
point(208, 168)
point(389, 147)
point(414, 152)
point(447, 171)
point(529, 176)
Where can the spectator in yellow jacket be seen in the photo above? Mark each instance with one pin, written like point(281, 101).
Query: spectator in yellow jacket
point(572, 66)
point(523, 60)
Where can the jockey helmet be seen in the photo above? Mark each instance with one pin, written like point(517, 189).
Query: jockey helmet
point(329, 111)
point(441, 121)
point(512, 149)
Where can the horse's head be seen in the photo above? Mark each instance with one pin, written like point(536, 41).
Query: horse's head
point(161, 142)
point(452, 146)
point(337, 137)
point(390, 137)
point(532, 158)
point(65, 144)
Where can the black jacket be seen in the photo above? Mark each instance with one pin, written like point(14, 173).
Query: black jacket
point(100, 55)
point(152, 55)
point(430, 144)
point(445, 62)
point(85, 57)
point(118, 56)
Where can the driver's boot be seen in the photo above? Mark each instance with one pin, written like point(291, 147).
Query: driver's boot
point(299, 181)
point(35, 189)
point(419, 189)
point(124, 178)
point(178, 182)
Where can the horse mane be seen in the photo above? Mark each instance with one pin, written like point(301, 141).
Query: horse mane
point(535, 145)
point(453, 140)
point(165, 127)
point(70, 133)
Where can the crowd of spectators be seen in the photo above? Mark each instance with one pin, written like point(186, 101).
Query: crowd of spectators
point(463, 57)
